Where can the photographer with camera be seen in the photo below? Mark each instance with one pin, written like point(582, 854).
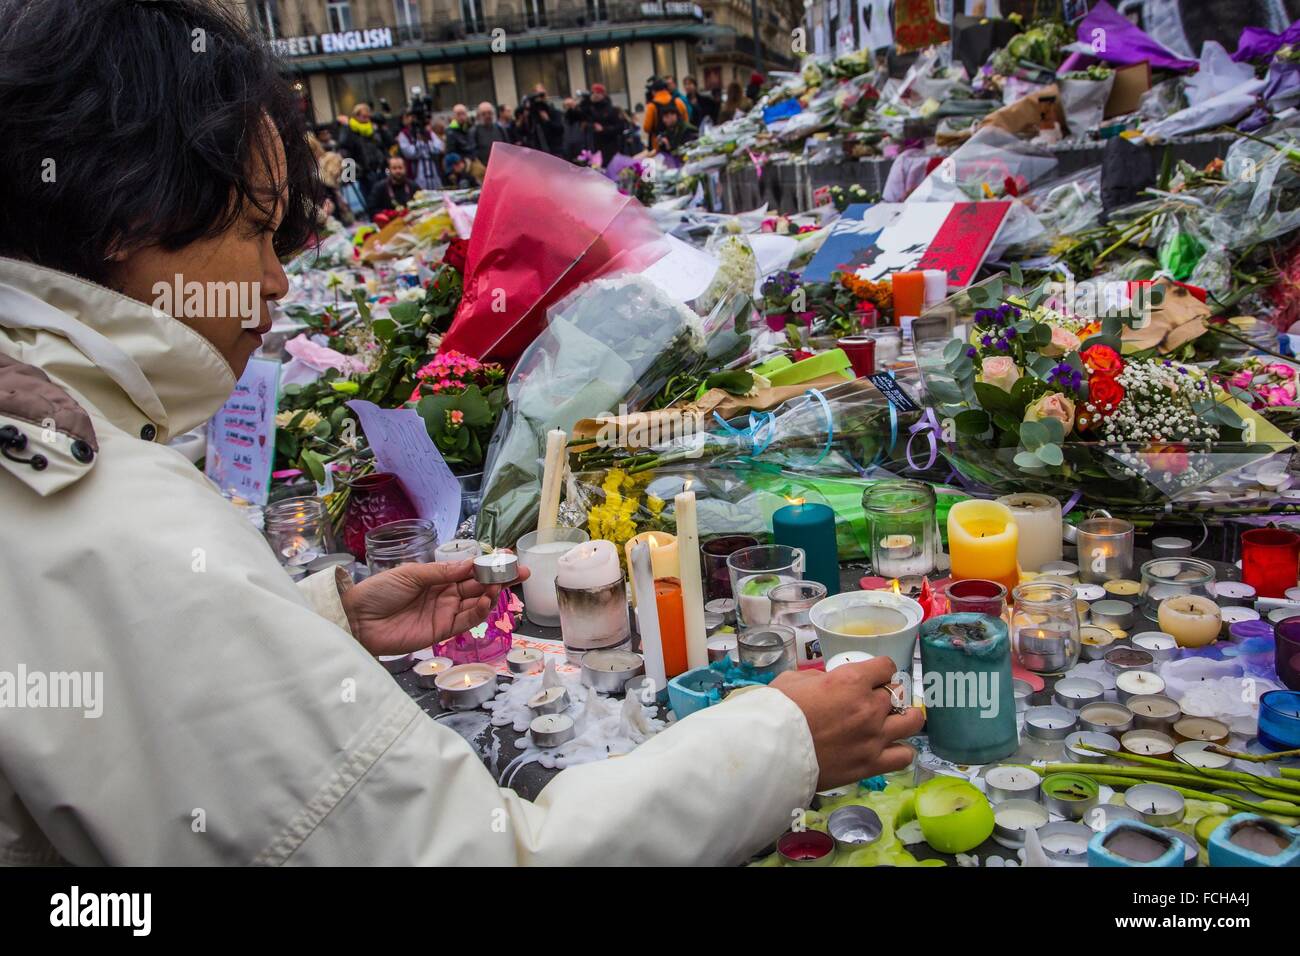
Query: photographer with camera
point(538, 123)
point(415, 141)
point(605, 122)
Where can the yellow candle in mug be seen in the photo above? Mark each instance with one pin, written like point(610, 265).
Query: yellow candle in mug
point(982, 542)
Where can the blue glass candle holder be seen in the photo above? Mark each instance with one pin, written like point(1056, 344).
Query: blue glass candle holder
point(811, 526)
point(1106, 849)
point(1279, 720)
point(1270, 844)
point(970, 707)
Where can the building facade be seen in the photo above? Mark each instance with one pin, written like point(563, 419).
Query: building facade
point(342, 52)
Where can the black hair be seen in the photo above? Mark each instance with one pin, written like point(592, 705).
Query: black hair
point(132, 123)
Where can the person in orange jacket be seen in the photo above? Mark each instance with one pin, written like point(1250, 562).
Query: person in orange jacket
point(661, 98)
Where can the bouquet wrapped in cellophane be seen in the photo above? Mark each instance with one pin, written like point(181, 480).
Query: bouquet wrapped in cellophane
point(1030, 396)
point(816, 447)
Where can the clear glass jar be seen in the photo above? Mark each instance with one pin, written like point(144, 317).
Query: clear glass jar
point(791, 604)
point(769, 649)
point(1045, 627)
point(409, 541)
point(901, 523)
point(889, 344)
point(1172, 577)
point(298, 530)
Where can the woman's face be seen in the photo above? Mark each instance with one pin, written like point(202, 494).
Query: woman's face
point(227, 282)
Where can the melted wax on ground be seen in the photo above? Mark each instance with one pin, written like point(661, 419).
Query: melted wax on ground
point(604, 726)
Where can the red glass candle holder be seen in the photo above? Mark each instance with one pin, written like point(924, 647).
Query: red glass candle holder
point(1270, 560)
point(861, 352)
point(1287, 659)
point(715, 551)
point(376, 499)
point(976, 596)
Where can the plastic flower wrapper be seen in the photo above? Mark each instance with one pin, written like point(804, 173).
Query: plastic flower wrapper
point(737, 271)
point(1030, 397)
point(1262, 199)
point(542, 228)
point(615, 341)
point(988, 159)
point(1083, 95)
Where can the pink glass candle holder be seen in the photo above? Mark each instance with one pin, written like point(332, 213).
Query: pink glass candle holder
point(1270, 560)
point(378, 498)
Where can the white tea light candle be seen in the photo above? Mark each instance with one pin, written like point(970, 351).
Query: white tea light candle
point(524, 660)
point(1137, 683)
point(1158, 644)
point(458, 549)
point(1011, 783)
point(465, 686)
point(1074, 693)
point(1148, 743)
point(1159, 806)
point(426, 672)
point(1154, 712)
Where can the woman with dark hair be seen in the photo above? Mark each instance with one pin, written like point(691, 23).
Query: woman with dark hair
point(220, 713)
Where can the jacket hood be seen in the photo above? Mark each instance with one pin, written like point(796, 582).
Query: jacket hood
point(135, 365)
point(663, 97)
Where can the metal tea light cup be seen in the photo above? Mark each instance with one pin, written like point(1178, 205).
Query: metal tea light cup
point(854, 826)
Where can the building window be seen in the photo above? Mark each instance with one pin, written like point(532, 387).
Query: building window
point(407, 20)
point(476, 84)
point(597, 10)
point(471, 11)
point(605, 65)
point(534, 14)
point(441, 84)
point(339, 15)
point(268, 19)
point(549, 69)
point(349, 89)
point(664, 62)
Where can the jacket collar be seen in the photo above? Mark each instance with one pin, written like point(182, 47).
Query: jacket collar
point(135, 365)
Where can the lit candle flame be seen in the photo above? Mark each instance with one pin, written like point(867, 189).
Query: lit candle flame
point(794, 501)
point(893, 586)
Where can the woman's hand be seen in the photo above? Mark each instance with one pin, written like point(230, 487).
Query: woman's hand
point(412, 606)
point(850, 715)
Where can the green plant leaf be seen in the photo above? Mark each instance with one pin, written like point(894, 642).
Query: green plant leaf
point(954, 350)
point(1017, 277)
point(314, 464)
point(993, 399)
point(973, 421)
point(384, 329)
point(1051, 455)
point(1028, 460)
point(1033, 435)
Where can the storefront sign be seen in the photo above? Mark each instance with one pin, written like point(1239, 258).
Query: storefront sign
point(671, 8)
point(349, 41)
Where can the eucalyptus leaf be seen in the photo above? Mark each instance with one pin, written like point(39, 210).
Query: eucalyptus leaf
point(1028, 460)
point(1033, 435)
point(1051, 454)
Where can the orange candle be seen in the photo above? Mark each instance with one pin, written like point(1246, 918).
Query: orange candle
point(909, 294)
point(672, 624)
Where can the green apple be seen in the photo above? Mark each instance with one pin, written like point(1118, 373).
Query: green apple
point(759, 585)
point(955, 817)
point(1207, 825)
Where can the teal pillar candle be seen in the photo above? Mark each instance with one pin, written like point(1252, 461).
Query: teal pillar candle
point(811, 526)
point(970, 708)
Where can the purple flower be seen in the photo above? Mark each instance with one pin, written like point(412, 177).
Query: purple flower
point(1010, 333)
point(986, 341)
point(971, 353)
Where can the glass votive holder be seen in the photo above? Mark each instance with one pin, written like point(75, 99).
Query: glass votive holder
point(1105, 549)
point(408, 541)
point(757, 570)
point(889, 344)
point(1279, 720)
point(1172, 577)
point(1270, 558)
point(540, 553)
point(714, 551)
point(1287, 658)
point(770, 649)
point(976, 596)
point(902, 528)
point(1045, 627)
point(298, 530)
point(791, 604)
point(593, 618)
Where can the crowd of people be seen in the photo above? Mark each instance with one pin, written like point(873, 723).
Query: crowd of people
point(394, 157)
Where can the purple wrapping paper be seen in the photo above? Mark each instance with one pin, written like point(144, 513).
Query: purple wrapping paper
point(1125, 44)
point(1256, 43)
point(1283, 84)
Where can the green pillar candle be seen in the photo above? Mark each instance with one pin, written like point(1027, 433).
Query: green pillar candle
point(970, 710)
point(811, 526)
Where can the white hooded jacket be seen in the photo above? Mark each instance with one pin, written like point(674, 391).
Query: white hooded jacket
point(240, 722)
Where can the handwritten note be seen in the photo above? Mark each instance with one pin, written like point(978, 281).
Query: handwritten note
point(403, 447)
point(241, 436)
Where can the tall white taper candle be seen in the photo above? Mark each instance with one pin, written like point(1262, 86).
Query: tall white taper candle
point(688, 555)
point(647, 615)
point(552, 478)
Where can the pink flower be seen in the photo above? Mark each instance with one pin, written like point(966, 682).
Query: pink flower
point(1000, 370)
point(456, 416)
point(1055, 406)
point(1063, 341)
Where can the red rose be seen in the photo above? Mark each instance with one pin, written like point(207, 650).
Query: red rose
point(455, 254)
point(1102, 360)
point(1102, 391)
point(1171, 459)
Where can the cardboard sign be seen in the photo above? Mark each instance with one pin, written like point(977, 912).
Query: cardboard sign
point(1130, 83)
point(241, 436)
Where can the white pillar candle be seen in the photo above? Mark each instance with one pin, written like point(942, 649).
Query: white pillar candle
point(552, 478)
point(647, 612)
point(936, 286)
point(592, 564)
point(1038, 518)
point(688, 556)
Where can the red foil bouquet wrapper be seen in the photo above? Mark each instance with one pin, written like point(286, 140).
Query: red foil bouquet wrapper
point(543, 227)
